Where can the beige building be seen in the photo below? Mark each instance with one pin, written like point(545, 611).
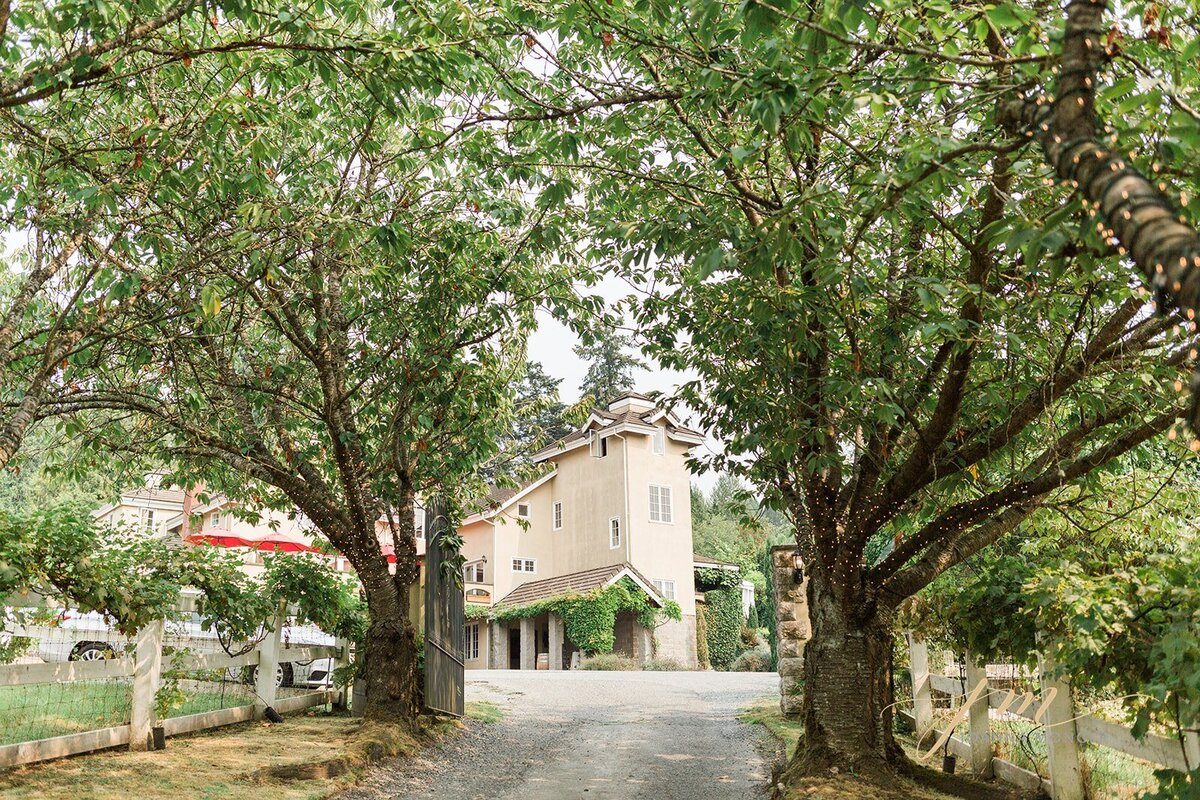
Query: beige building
point(615, 504)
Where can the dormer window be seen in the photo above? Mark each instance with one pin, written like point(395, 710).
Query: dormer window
point(600, 447)
point(523, 510)
point(660, 441)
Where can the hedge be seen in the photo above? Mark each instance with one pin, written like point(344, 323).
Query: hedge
point(724, 625)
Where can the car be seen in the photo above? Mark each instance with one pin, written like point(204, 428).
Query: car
point(73, 635)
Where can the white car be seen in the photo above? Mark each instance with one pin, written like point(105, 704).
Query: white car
point(76, 636)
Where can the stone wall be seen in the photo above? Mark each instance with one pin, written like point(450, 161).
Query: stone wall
point(791, 622)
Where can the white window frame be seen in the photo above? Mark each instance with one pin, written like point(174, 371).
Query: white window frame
point(527, 566)
point(215, 522)
point(557, 515)
point(528, 510)
point(614, 526)
point(659, 445)
point(146, 519)
point(600, 450)
point(473, 573)
point(472, 641)
point(655, 505)
point(660, 585)
point(419, 523)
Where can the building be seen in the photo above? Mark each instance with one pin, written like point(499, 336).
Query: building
point(146, 508)
point(613, 504)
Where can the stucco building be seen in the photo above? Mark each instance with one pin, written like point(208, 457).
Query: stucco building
point(614, 504)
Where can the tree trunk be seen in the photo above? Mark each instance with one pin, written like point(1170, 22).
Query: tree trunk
point(390, 661)
point(847, 690)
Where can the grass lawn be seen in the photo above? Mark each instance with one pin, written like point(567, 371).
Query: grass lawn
point(39, 711)
point(306, 757)
point(930, 786)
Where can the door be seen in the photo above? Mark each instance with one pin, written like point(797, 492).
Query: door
point(514, 648)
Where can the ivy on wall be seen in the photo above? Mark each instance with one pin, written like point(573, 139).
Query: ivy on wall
point(590, 618)
point(709, 578)
point(724, 625)
point(702, 659)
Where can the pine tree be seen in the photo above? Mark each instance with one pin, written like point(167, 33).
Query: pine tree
point(610, 367)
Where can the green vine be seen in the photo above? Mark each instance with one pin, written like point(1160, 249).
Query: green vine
point(589, 618)
point(724, 625)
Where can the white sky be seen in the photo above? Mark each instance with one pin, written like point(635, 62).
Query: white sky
point(552, 344)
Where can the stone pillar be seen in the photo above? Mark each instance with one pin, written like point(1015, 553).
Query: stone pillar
point(792, 628)
point(528, 644)
point(498, 645)
point(557, 634)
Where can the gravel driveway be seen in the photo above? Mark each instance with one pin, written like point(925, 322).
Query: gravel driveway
point(582, 734)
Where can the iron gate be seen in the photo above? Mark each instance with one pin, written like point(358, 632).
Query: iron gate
point(445, 622)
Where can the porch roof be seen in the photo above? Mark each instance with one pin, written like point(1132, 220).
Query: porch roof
point(579, 583)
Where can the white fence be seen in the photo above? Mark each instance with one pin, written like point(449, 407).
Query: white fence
point(139, 665)
point(1064, 727)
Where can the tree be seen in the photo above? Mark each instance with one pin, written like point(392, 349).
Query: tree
point(89, 180)
point(610, 367)
point(341, 313)
point(539, 419)
point(900, 328)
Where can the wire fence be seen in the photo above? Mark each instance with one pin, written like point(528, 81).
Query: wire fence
point(69, 682)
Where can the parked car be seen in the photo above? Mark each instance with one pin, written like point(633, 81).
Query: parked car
point(78, 636)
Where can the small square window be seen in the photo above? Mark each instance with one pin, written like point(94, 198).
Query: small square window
point(523, 510)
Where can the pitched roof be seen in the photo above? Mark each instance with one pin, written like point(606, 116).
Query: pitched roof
point(612, 419)
point(578, 583)
point(707, 561)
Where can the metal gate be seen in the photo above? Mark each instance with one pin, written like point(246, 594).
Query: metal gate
point(445, 622)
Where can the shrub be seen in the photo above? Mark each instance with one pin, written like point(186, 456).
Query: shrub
point(663, 665)
point(749, 637)
point(702, 660)
point(756, 660)
point(610, 662)
point(724, 625)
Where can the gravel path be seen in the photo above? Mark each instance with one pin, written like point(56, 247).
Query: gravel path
point(593, 735)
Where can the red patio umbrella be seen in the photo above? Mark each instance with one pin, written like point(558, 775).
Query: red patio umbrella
point(272, 542)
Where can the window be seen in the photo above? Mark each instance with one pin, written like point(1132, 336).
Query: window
point(660, 441)
point(473, 573)
point(557, 514)
point(148, 518)
point(614, 533)
point(600, 447)
point(660, 503)
point(419, 523)
point(472, 641)
point(665, 588)
point(523, 510)
point(216, 520)
point(524, 565)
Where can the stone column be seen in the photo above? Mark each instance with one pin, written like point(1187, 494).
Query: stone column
point(792, 627)
point(498, 641)
point(557, 634)
point(528, 644)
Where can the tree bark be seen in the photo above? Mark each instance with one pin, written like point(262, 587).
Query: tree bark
point(847, 689)
point(390, 657)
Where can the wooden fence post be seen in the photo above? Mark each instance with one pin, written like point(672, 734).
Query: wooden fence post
point(980, 732)
point(340, 660)
point(1062, 749)
point(268, 660)
point(147, 670)
point(918, 660)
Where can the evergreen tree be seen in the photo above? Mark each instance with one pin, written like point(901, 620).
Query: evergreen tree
point(610, 367)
